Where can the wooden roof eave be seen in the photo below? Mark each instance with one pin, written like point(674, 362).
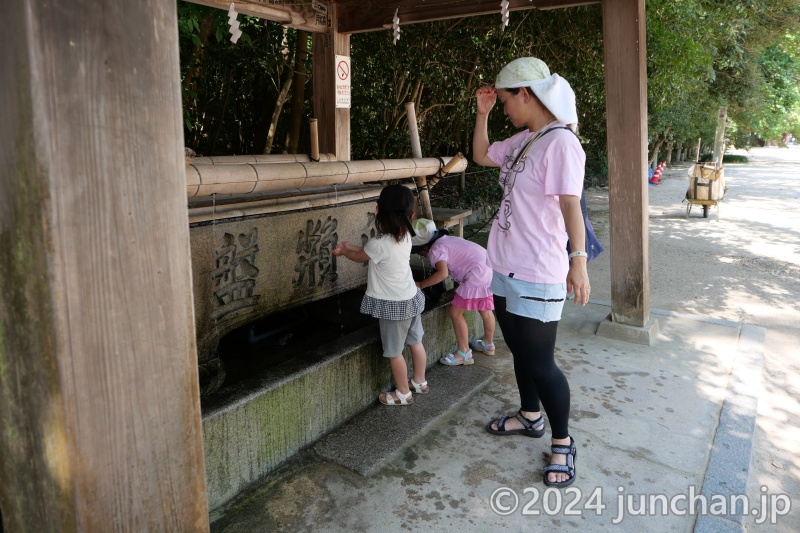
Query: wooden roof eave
point(355, 17)
point(299, 15)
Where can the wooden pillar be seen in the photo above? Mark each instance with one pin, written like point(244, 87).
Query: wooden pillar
point(334, 124)
point(626, 107)
point(99, 399)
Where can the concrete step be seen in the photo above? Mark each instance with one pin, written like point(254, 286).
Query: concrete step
point(372, 438)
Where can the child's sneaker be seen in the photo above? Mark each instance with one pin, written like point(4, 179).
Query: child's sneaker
point(479, 346)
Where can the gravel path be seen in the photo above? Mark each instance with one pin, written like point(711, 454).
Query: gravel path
point(746, 268)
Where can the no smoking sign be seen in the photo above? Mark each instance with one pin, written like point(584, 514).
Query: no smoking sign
point(342, 81)
point(343, 70)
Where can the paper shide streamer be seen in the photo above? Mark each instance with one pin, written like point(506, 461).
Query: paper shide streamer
point(232, 20)
point(396, 26)
point(504, 13)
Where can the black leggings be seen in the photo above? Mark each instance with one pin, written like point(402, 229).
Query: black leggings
point(533, 344)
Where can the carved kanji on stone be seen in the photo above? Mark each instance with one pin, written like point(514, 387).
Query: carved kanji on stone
point(235, 273)
point(315, 262)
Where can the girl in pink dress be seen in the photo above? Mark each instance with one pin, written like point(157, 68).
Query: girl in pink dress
point(465, 261)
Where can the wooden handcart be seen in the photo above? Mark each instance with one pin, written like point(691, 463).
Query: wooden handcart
point(706, 187)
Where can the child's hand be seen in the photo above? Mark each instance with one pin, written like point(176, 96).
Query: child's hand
point(486, 96)
point(418, 284)
point(340, 248)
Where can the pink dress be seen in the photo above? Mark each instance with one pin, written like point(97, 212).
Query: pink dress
point(466, 262)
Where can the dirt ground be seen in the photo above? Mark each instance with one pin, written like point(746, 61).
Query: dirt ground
point(744, 267)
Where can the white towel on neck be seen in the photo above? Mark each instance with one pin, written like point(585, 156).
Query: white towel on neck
point(556, 95)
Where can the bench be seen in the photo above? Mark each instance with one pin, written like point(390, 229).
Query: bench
point(448, 218)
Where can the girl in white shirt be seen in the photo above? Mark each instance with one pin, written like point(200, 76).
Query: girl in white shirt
point(392, 296)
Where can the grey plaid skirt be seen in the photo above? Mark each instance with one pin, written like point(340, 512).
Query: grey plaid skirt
point(393, 310)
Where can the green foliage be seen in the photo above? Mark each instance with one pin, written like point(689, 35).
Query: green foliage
point(460, 56)
point(482, 189)
point(229, 90)
point(701, 54)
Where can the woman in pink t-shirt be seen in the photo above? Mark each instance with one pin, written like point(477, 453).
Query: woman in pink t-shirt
point(465, 262)
point(541, 172)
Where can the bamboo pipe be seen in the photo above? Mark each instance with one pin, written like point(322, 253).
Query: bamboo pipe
point(313, 128)
point(259, 178)
point(258, 158)
point(446, 169)
point(416, 151)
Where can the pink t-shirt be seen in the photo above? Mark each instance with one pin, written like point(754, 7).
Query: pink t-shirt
point(528, 236)
point(466, 262)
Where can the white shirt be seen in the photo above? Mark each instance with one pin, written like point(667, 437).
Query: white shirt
point(389, 275)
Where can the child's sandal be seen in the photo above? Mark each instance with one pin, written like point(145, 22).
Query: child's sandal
point(479, 346)
point(419, 388)
point(405, 399)
point(450, 359)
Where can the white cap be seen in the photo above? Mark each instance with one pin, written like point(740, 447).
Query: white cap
point(425, 230)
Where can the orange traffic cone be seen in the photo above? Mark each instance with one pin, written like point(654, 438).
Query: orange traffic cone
point(657, 174)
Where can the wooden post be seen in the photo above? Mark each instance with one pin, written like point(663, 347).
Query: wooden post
point(334, 131)
point(99, 396)
point(626, 101)
point(416, 152)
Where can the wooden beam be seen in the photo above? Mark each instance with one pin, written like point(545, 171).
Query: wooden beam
point(301, 16)
point(334, 123)
point(99, 396)
point(354, 17)
point(626, 108)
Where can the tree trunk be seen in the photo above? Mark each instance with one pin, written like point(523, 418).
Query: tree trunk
point(719, 137)
point(656, 147)
point(670, 144)
point(276, 113)
point(299, 93)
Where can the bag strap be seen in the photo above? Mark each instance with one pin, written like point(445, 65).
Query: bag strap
point(523, 155)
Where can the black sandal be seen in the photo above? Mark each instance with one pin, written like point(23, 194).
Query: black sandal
point(529, 426)
point(571, 452)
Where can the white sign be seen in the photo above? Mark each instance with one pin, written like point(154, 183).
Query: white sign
point(342, 76)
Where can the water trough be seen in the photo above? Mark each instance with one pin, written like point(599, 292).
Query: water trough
point(284, 355)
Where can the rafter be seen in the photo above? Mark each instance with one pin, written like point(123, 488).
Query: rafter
point(365, 15)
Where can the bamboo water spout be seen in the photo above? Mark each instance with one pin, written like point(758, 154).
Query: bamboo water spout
point(258, 178)
point(457, 160)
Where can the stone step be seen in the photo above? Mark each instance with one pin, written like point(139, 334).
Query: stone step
point(372, 438)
